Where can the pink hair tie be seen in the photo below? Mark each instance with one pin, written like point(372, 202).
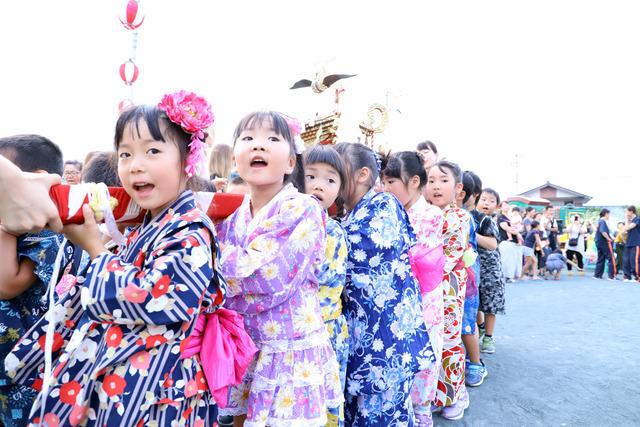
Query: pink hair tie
point(193, 114)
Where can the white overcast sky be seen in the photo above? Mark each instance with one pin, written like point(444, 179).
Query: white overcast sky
point(556, 83)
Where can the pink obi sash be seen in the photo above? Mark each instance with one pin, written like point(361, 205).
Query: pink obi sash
point(427, 265)
point(225, 349)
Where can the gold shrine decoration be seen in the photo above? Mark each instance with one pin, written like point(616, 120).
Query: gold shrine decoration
point(377, 120)
point(323, 130)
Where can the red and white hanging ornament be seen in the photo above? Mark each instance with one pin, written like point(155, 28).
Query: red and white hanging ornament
point(132, 21)
point(128, 70)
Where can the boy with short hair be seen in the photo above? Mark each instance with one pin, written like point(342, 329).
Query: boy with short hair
point(26, 267)
point(492, 281)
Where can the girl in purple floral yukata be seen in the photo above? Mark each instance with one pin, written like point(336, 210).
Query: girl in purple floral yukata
point(272, 253)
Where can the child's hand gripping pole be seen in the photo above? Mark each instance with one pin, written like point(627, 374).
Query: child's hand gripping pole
point(102, 204)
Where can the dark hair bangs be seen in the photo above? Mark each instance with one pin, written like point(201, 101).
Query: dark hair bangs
point(404, 165)
point(393, 168)
point(152, 116)
point(427, 145)
point(276, 120)
point(356, 156)
point(492, 192)
point(327, 155)
point(446, 166)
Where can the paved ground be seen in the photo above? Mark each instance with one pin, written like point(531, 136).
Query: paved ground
point(567, 355)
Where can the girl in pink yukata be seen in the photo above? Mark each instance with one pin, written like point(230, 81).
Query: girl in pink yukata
point(405, 177)
point(120, 328)
point(273, 248)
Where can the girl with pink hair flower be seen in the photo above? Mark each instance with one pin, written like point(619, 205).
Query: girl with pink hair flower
point(119, 331)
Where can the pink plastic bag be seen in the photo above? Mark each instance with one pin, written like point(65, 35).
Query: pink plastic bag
point(225, 348)
point(427, 265)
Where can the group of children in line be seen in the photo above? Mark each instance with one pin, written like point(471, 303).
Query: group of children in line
point(349, 324)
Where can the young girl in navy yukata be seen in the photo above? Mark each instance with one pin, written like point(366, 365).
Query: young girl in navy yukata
point(405, 177)
point(273, 248)
point(388, 340)
point(444, 183)
point(324, 179)
point(120, 328)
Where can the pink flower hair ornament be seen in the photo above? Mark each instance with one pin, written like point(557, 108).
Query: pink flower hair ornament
point(296, 130)
point(193, 114)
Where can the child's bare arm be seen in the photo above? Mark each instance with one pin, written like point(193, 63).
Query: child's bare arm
point(15, 277)
point(488, 243)
point(506, 228)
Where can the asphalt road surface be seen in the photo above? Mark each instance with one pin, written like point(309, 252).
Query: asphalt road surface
point(566, 355)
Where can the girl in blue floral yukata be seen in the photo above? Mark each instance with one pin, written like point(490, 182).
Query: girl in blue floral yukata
point(120, 329)
point(273, 249)
point(324, 178)
point(388, 340)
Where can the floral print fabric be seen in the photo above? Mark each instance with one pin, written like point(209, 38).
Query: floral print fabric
point(332, 279)
point(427, 221)
point(455, 235)
point(471, 300)
point(388, 341)
point(391, 408)
point(272, 262)
point(120, 329)
point(21, 313)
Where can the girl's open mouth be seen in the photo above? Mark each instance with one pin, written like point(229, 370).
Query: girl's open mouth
point(258, 163)
point(143, 187)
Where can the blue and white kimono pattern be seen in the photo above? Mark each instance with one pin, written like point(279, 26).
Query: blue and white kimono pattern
point(117, 343)
point(471, 302)
point(388, 340)
point(21, 313)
